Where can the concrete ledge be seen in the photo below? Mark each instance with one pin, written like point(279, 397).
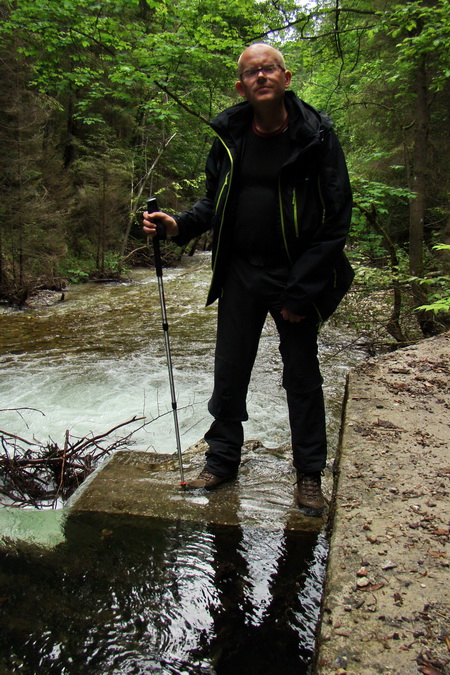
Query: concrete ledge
point(386, 599)
point(31, 528)
point(148, 485)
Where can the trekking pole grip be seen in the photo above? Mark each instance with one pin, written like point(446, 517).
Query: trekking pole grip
point(152, 206)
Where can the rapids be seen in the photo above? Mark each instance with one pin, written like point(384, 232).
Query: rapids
point(98, 359)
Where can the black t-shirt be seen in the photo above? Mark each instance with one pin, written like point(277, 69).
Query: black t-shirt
point(257, 199)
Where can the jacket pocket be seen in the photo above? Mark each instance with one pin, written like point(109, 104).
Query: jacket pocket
point(338, 285)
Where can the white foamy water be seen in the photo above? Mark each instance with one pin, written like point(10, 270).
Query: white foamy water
point(98, 359)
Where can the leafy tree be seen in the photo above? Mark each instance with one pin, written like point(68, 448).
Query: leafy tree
point(112, 100)
point(382, 71)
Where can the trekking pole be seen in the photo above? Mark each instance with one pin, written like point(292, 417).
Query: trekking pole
point(161, 234)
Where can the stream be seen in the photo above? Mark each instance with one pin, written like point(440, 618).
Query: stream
point(122, 595)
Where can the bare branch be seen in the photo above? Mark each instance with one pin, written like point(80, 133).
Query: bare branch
point(176, 98)
point(18, 438)
point(307, 18)
point(36, 474)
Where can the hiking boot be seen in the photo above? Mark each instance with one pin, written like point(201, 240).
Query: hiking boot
point(206, 480)
point(310, 499)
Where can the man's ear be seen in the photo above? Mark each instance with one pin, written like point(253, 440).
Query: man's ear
point(240, 89)
point(287, 77)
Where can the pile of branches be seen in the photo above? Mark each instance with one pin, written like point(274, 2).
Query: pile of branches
point(43, 474)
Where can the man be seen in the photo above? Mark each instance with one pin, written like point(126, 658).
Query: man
point(279, 203)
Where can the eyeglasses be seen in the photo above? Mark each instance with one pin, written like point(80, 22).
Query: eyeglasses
point(253, 73)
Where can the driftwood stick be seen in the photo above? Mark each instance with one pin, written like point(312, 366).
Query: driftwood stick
point(18, 438)
point(35, 474)
point(83, 442)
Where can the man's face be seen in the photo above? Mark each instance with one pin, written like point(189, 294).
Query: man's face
point(261, 88)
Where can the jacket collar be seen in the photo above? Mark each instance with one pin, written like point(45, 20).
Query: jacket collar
point(306, 124)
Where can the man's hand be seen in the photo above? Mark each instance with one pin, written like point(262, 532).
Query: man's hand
point(149, 223)
point(290, 316)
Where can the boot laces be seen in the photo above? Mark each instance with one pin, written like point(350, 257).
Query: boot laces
point(206, 475)
point(310, 484)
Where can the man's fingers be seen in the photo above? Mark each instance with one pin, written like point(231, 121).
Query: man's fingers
point(291, 316)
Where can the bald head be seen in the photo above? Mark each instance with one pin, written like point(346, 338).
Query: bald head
point(260, 49)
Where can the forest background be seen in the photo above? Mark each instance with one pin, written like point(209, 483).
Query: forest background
point(104, 103)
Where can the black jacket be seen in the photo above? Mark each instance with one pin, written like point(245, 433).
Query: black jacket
point(315, 205)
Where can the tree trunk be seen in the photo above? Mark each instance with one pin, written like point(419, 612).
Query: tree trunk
point(417, 205)
point(419, 185)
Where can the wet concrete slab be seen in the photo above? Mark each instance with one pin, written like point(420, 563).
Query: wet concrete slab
point(386, 605)
point(147, 484)
point(31, 527)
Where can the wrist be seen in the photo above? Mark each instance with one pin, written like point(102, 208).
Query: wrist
point(175, 229)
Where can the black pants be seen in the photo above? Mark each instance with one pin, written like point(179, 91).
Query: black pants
point(249, 293)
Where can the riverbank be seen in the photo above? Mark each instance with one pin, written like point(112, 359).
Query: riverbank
point(386, 598)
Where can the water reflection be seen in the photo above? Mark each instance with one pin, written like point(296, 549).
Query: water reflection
point(260, 624)
point(147, 596)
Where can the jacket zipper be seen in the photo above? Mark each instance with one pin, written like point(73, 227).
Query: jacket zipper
point(283, 225)
point(294, 208)
point(225, 186)
point(322, 201)
point(294, 205)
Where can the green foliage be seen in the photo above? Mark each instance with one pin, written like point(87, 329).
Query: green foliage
point(113, 265)
point(77, 276)
point(105, 103)
point(79, 270)
point(437, 288)
point(439, 304)
point(374, 200)
point(421, 29)
point(372, 278)
point(370, 193)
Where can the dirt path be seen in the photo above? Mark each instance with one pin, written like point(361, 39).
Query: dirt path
point(386, 603)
